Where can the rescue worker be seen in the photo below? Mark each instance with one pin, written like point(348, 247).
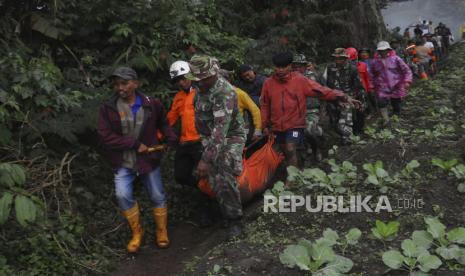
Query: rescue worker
point(221, 128)
point(251, 82)
point(313, 129)
point(127, 124)
point(344, 76)
point(189, 150)
point(284, 107)
point(391, 79)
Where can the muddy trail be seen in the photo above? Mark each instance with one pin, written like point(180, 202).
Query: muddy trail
point(432, 125)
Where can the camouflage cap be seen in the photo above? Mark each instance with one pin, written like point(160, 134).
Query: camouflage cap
point(202, 67)
point(300, 59)
point(340, 52)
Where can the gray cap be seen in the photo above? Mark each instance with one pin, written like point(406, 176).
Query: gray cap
point(126, 73)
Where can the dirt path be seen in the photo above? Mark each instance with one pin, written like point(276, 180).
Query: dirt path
point(187, 241)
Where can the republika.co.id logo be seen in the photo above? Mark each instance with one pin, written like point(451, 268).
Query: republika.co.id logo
point(330, 203)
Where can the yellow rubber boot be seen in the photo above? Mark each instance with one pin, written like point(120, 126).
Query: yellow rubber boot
point(160, 216)
point(133, 217)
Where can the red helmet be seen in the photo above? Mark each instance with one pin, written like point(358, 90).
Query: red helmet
point(352, 52)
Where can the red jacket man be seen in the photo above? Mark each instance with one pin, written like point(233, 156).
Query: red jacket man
point(283, 104)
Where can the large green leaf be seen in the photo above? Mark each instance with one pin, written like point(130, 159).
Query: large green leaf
point(435, 227)
point(292, 173)
point(373, 180)
point(5, 206)
point(12, 175)
point(295, 255)
point(457, 235)
point(25, 209)
point(449, 253)
point(341, 264)
point(409, 248)
point(428, 262)
point(393, 259)
point(18, 174)
point(422, 238)
point(381, 173)
point(322, 253)
point(331, 236)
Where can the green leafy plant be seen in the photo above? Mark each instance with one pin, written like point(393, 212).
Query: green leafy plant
point(356, 140)
point(279, 189)
point(371, 132)
point(315, 177)
point(413, 258)
point(12, 178)
point(385, 232)
point(416, 252)
point(333, 150)
point(409, 170)
point(378, 176)
point(319, 257)
point(446, 165)
point(346, 168)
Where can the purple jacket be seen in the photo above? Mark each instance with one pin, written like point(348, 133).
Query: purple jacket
point(109, 130)
point(390, 76)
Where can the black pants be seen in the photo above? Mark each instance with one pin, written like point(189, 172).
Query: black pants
point(185, 161)
point(359, 122)
point(396, 104)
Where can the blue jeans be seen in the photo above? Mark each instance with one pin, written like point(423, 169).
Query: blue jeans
point(124, 181)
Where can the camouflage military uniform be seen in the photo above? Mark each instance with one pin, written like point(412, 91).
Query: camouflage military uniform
point(346, 79)
point(313, 111)
point(221, 128)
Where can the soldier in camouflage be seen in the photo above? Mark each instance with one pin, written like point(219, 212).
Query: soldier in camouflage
point(313, 131)
point(221, 128)
point(344, 76)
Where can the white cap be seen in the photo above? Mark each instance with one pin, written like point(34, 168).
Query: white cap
point(383, 45)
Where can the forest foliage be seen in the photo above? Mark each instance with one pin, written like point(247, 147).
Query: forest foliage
point(55, 56)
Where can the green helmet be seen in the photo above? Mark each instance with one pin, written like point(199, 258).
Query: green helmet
point(202, 67)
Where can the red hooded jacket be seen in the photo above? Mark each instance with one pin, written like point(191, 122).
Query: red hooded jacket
point(283, 105)
point(362, 69)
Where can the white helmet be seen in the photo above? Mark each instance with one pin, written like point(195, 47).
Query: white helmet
point(179, 68)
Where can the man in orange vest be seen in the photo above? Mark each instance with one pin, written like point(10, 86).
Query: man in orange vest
point(189, 150)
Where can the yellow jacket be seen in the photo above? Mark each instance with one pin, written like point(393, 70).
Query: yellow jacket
point(245, 103)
